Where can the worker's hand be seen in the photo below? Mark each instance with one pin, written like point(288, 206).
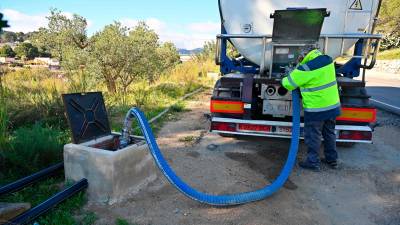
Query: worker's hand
point(288, 70)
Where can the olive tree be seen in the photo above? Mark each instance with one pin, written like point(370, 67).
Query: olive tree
point(6, 51)
point(61, 33)
point(112, 53)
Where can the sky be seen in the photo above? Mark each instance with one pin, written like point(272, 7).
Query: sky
point(187, 23)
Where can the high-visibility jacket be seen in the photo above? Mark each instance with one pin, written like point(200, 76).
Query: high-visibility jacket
point(316, 78)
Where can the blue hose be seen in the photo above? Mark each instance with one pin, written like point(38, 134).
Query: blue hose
point(223, 200)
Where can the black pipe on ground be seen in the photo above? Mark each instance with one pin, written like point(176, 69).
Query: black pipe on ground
point(21, 183)
point(45, 206)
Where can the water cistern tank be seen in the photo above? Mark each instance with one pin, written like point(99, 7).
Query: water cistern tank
point(252, 17)
point(113, 173)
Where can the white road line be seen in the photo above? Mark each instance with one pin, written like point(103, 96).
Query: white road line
point(392, 106)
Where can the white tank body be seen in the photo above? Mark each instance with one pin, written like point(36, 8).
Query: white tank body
point(253, 17)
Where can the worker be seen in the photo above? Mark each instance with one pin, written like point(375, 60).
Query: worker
point(315, 76)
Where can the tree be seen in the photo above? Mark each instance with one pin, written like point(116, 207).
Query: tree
point(389, 17)
point(3, 23)
point(8, 36)
point(145, 44)
point(168, 56)
point(111, 53)
point(62, 33)
point(6, 51)
point(26, 50)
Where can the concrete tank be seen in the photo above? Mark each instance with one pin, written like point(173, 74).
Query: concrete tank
point(252, 17)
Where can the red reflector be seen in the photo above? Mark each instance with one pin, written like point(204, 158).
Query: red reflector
point(254, 127)
point(223, 126)
point(356, 135)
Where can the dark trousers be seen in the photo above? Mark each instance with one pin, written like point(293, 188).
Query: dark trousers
point(312, 136)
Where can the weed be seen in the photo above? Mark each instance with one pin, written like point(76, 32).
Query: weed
point(187, 139)
point(88, 219)
point(120, 221)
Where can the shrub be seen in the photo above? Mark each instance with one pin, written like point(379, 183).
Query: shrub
point(34, 148)
point(390, 42)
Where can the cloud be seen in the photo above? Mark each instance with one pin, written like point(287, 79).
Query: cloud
point(21, 22)
point(188, 36)
point(207, 27)
point(154, 24)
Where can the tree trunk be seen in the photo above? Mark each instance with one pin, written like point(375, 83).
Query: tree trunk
point(111, 86)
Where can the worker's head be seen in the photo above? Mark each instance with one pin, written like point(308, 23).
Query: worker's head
point(307, 55)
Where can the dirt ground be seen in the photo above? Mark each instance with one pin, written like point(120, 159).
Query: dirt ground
point(365, 190)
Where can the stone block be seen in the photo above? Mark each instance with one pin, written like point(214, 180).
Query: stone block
point(12, 210)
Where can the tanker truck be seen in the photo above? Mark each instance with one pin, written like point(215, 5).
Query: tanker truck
point(249, 99)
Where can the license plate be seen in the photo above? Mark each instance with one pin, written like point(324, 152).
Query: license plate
point(288, 130)
point(284, 130)
point(277, 108)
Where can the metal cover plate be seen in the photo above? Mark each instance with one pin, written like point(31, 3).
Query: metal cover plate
point(87, 116)
point(294, 25)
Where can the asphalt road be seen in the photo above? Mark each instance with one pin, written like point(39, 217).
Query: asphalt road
point(385, 90)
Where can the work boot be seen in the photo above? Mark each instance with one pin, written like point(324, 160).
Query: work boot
point(310, 166)
point(332, 164)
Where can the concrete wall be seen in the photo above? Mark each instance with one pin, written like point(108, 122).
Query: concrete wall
point(112, 176)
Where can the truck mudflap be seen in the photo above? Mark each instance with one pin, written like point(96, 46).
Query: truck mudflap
point(275, 129)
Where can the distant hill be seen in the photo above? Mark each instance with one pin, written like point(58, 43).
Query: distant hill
point(189, 52)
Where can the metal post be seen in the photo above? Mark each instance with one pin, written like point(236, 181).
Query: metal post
point(217, 51)
point(326, 40)
point(262, 64)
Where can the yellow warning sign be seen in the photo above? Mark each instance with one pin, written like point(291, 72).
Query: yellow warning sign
point(357, 5)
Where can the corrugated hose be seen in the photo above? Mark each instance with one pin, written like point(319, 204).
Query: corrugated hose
point(222, 200)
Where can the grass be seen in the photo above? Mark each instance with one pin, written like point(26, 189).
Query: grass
point(389, 54)
point(31, 149)
point(120, 221)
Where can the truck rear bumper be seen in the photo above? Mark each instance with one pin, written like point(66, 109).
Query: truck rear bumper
point(275, 129)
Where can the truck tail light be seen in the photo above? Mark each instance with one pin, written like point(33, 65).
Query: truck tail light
point(220, 126)
point(355, 135)
point(230, 107)
point(358, 115)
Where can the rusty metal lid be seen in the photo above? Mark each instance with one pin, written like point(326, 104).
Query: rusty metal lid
point(87, 116)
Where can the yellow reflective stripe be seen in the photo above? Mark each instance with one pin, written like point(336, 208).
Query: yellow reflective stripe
point(320, 88)
point(292, 82)
point(305, 67)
